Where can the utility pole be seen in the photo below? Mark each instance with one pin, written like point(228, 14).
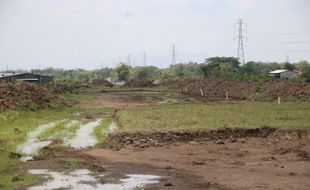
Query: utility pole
point(287, 58)
point(241, 35)
point(173, 61)
point(128, 60)
point(144, 59)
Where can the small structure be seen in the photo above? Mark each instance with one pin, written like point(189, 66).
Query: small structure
point(283, 74)
point(27, 77)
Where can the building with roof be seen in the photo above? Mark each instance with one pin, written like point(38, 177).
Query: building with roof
point(27, 77)
point(284, 74)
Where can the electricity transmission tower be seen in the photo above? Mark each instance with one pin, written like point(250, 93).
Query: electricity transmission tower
point(241, 31)
point(173, 61)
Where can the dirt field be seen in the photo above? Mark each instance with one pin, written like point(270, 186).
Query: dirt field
point(280, 161)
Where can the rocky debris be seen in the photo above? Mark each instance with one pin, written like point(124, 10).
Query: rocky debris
point(199, 163)
point(219, 141)
point(299, 153)
point(268, 158)
point(160, 139)
point(216, 89)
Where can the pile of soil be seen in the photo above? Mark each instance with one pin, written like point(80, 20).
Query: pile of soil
point(62, 88)
point(98, 82)
point(138, 84)
point(27, 96)
point(216, 89)
point(143, 139)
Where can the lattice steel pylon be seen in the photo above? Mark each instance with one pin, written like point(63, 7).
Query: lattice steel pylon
point(241, 35)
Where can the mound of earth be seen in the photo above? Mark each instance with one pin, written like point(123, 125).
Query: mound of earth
point(216, 89)
point(138, 84)
point(98, 82)
point(159, 139)
point(27, 96)
point(60, 88)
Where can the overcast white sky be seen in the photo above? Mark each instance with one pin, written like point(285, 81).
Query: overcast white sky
point(97, 33)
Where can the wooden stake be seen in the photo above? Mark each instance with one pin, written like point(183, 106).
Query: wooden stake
point(201, 92)
point(227, 96)
point(279, 100)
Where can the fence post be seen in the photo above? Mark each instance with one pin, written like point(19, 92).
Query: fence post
point(279, 100)
point(201, 92)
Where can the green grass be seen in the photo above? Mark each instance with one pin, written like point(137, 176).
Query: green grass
point(288, 115)
point(100, 130)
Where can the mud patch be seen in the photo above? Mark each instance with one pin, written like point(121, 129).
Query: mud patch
point(84, 136)
point(82, 179)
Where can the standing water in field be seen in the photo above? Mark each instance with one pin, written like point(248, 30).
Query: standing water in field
point(32, 146)
point(84, 136)
point(82, 179)
point(72, 123)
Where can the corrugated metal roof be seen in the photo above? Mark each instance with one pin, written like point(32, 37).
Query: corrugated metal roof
point(277, 71)
point(9, 74)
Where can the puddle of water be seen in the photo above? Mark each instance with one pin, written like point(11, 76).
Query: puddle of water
point(111, 128)
point(84, 136)
point(82, 179)
point(32, 146)
point(72, 123)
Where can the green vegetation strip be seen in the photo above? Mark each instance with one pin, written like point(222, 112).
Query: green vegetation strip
point(288, 115)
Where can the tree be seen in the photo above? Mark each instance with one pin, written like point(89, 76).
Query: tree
point(212, 66)
point(288, 66)
point(122, 72)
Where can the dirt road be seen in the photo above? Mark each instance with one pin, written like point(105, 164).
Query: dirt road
point(253, 163)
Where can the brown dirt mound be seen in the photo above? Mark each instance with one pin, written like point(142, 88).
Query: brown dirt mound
point(26, 96)
point(61, 88)
point(138, 84)
point(98, 82)
point(162, 138)
point(215, 89)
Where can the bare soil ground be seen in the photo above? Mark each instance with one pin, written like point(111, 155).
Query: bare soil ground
point(275, 162)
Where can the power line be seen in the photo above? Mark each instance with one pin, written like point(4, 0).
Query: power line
point(259, 38)
point(267, 49)
point(301, 32)
point(223, 42)
point(241, 36)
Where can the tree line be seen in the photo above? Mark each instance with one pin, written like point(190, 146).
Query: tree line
point(214, 67)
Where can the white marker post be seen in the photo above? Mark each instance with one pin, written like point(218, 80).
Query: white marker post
point(227, 98)
point(201, 92)
point(279, 100)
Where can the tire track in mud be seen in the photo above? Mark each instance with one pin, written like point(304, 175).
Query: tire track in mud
point(84, 136)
